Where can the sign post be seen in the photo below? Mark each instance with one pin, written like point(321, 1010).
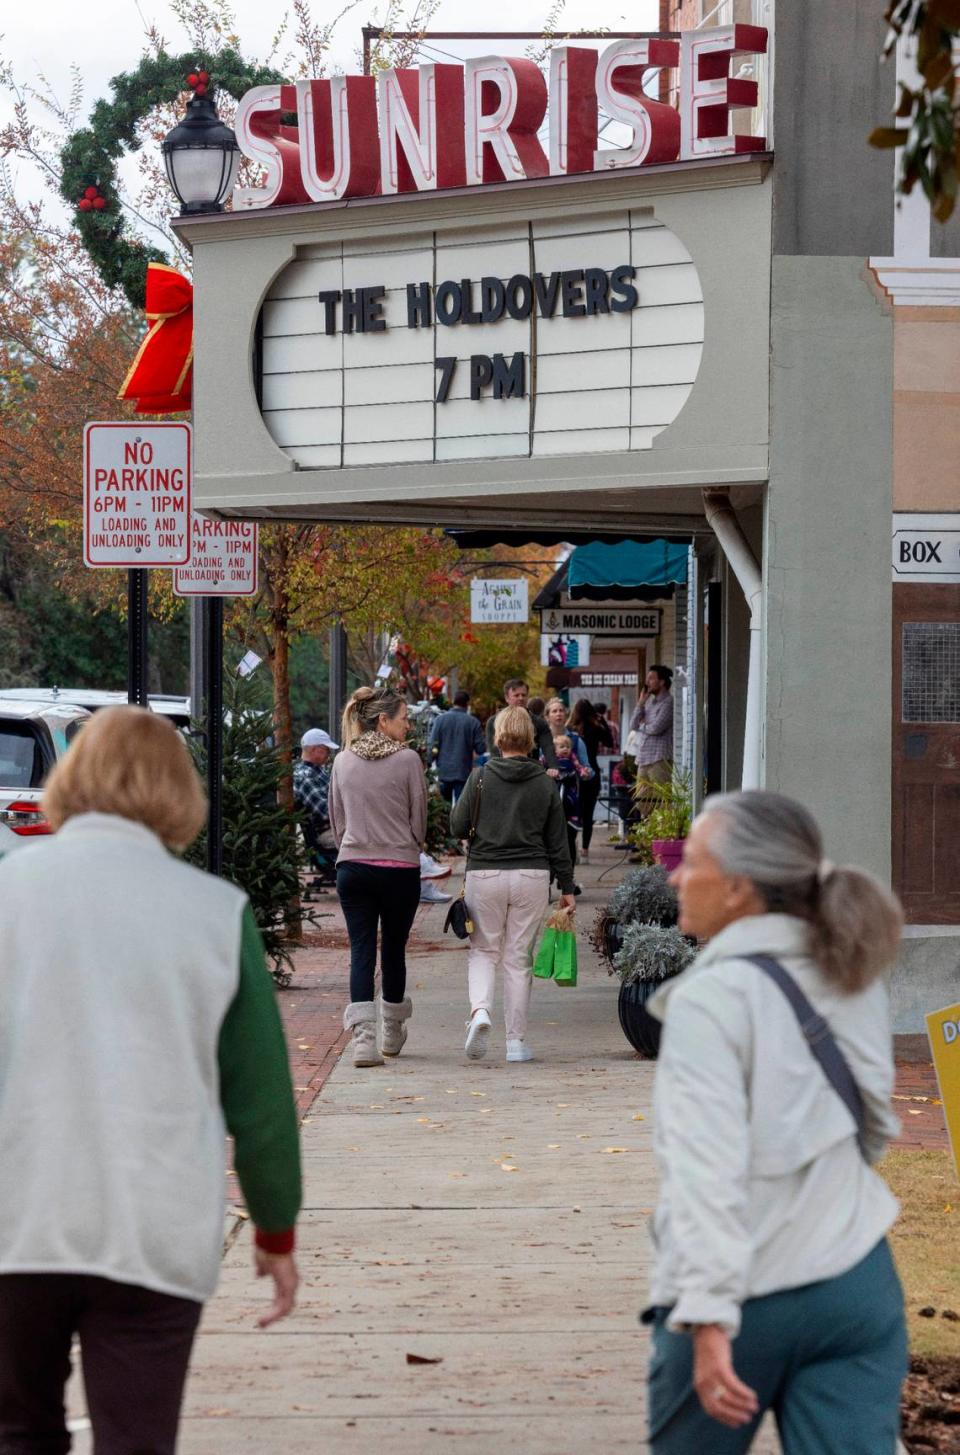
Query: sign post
point(137, 656)
point(136, 513)
point(213, 657)
point(223, 562)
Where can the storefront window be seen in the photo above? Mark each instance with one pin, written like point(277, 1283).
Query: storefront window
point(931, 671)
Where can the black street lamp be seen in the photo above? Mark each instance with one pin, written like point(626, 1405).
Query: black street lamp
point(201, 157)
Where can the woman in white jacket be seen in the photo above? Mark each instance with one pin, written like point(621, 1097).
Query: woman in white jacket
point(773, 1285)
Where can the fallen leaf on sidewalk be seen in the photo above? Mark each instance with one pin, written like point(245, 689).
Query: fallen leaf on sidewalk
point(615, 1149)
point(508, 1167)
point(639, 1118)
point(422, 1359)
point(484, 1110)
point(478, 1093)
point(553, 1146)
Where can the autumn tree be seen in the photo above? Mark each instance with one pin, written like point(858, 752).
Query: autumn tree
point(927, 118)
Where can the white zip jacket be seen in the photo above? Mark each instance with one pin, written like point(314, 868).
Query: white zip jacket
point(118, 965)
point(763, 1184)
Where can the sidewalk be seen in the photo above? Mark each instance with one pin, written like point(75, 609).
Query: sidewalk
point(489, 1219)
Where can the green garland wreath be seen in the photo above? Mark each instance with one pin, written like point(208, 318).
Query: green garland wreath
point(89, 172)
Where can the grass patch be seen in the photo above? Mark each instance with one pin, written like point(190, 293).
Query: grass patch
point(926, 1245)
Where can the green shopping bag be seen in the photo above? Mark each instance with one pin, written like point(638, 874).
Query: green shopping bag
point(565, 958)
point(556, 957)
point(543, 964)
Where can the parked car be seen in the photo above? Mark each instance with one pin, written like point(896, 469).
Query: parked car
point(33, 735)
point(177, 709)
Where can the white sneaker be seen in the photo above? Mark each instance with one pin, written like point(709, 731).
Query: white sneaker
point(519, 1051)
point(430, 869)
point(478, 1029)
point(430, 894)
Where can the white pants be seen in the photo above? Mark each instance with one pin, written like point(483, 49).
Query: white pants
point(507, 907)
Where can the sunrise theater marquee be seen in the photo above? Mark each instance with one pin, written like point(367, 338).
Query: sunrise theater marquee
point(431, 279)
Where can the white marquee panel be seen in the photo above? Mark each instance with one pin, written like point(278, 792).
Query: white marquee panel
point(601, 382)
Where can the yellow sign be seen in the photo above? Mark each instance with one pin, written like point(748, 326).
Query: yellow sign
point(943, 1028)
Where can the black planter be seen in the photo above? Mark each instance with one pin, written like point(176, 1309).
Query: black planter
point(641, 1029)
point(612, 938)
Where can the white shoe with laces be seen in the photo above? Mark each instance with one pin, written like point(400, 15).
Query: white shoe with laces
point(519, 1051)
point(430, 869)
point(430, 894)
point(478, 1030)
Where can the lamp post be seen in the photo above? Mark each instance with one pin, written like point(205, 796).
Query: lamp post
point(202, 158)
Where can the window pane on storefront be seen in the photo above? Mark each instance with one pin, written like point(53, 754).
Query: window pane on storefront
point(931, 671)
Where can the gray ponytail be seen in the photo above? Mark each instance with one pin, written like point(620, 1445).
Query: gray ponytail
point(775, 843)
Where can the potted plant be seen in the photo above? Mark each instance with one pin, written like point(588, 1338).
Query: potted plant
point(649, 955)
point(630, 934)
point(668, 811)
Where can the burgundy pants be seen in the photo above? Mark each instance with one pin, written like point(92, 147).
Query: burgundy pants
point(135, 1347)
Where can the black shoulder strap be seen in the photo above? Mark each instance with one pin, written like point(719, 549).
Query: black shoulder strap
point(819, 1038)
point(475, 816)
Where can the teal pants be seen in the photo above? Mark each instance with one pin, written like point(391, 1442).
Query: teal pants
point(829, 1360)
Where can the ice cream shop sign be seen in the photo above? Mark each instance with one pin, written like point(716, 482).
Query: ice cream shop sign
point(451, 125)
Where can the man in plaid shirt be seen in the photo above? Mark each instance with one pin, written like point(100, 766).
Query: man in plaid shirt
point(311, 786)
point(653, 722)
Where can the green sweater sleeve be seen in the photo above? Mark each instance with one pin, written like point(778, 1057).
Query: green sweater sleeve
point(256, 1094)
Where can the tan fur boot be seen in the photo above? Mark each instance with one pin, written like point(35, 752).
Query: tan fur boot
point(361, 1018)
point(393, 1031)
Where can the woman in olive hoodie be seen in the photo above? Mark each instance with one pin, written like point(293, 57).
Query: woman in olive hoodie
point(520, 841)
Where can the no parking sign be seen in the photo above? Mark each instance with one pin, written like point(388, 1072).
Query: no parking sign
point(223, 559)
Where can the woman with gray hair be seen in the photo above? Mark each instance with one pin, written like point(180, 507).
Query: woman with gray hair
point(773, 1286)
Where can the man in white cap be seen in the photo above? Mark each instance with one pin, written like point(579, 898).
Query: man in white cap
point(311, 786)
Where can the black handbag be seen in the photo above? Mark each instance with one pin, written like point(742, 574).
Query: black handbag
point(458, 915)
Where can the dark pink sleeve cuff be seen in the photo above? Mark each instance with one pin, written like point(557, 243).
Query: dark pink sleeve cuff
point(276, 1242)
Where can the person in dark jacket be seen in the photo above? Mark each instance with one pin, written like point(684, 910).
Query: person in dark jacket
point(455, 739)
point(516, 692)
point(597, 737)
point(519, 843)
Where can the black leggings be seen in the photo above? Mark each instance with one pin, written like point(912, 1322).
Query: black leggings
point(371, 897)
point(589, 793)
point(134, 1343)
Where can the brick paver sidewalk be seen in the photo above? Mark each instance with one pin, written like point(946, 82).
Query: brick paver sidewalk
point(916, 1097)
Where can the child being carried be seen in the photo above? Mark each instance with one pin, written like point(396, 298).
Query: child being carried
point(571, 771)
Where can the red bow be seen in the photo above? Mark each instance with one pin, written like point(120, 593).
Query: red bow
point(161, 376)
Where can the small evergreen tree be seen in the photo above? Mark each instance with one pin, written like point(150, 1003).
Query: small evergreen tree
point(261, 848)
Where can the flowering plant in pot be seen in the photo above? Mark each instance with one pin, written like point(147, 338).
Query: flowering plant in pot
point(668, 811)
point(643, 895)
point(649, 955)
point(637, 936)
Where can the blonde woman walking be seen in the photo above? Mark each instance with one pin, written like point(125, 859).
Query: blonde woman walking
point(773, 1285)
point(519, 842)
point(378, 814)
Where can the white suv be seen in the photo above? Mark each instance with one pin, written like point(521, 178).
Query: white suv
point(33, 735)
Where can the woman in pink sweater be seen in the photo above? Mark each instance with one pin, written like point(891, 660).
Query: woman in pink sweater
point(378, 814)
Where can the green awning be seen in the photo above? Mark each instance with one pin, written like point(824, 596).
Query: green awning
point(627, 564)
